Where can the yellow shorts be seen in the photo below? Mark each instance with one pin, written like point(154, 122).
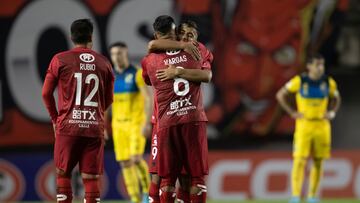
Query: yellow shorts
point(128, 141)
point(312, 138)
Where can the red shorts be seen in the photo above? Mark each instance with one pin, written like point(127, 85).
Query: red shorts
point(153, 152)
point(183, 146)
point(87, 151)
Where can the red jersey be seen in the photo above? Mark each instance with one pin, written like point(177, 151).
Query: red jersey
point(85, 83)
point(178, 101)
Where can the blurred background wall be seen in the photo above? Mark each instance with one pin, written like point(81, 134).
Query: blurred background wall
point(258, 45)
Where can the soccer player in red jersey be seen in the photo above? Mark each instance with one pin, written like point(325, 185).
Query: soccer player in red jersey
point(187, 34)
point(181, 119)
point(85, 81)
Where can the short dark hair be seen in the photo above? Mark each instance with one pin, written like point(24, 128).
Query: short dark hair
point(163, 24)
point(118, 44)
point(189, 23)
point(81, 31)
point(310, 58)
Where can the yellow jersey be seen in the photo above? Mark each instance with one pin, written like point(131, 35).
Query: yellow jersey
point(128, 105)
point(312, 96)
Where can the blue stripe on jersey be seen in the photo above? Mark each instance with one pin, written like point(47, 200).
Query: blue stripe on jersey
point(125, 82)
point(318, 89)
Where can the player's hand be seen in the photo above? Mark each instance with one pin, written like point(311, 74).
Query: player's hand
point(330, 115)
point(146, 131)
point(296, 115)
point(192, 49)
point(167, 74)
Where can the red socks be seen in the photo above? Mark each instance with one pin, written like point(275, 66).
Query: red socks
point(63, 189)
point(182, 196)
point(92, 192)
point(154, 193)
point(200, 197)
point(167, 197)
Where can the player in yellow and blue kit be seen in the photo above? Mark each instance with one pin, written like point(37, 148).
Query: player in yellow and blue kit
point(317, 101)
point(131, 113)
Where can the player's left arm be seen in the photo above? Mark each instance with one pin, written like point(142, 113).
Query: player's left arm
point(49, 86)
point(148, 101)
point(191, 74)
point(334, 100)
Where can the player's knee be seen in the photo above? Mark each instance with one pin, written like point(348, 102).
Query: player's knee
point(62, 173)
point(155, 179)
point(168, 184)
point(317, 162)
point(89, 176)
point(136, 159)
point(126, 163)
point(198, 185)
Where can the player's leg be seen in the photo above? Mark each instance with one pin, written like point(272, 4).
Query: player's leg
point(321, 151)
point(169, 162)
point(183, 191)
point(65, 158)
point(195, 141)
point(301, 151)
point(91, 166)
point(154, 196)
point(121, 138)
point(138, 143)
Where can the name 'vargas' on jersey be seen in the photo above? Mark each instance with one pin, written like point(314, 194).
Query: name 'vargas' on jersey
point(178, 101)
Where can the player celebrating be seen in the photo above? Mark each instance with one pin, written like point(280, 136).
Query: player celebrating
point(312, 132)
point(182, 140)
point(131, 116)
point(84, 80)
point(188, 34)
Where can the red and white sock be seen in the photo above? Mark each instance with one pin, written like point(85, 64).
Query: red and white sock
point(199, 197)
point(92, 192)
point(63, 189)
point(182, 196)
point(154, 193)
point(167, 197)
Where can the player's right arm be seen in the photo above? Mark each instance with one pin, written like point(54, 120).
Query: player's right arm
point(166, 44)
point(49, 86)
point(291, 87)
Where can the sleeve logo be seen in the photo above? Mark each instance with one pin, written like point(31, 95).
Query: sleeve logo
point(87, 58)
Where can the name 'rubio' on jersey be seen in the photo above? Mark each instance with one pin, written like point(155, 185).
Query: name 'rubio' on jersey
point(178, 101)
point(85, 89)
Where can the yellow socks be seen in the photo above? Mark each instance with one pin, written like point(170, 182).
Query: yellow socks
point(315, 177)
point(297, 176)
point(142, 171)
point(132, 183)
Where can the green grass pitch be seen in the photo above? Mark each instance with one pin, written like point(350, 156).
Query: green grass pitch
point(245, 201)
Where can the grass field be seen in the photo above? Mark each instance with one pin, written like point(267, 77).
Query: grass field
point(245, 201)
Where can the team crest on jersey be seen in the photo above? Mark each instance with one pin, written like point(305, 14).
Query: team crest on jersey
point(172, 52)
point(87, 58)
point(129, 78)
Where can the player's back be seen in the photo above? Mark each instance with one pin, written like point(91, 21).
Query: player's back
point(85, 81)
point(179, 101)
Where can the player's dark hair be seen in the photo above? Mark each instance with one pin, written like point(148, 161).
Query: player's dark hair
point(312, 57)
point(188, 23)
point(163, 24)
point(118, 44)
point(81, 31)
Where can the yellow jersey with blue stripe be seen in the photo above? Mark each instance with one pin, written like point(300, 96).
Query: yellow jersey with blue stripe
point(312, 97)
point(128, 105)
